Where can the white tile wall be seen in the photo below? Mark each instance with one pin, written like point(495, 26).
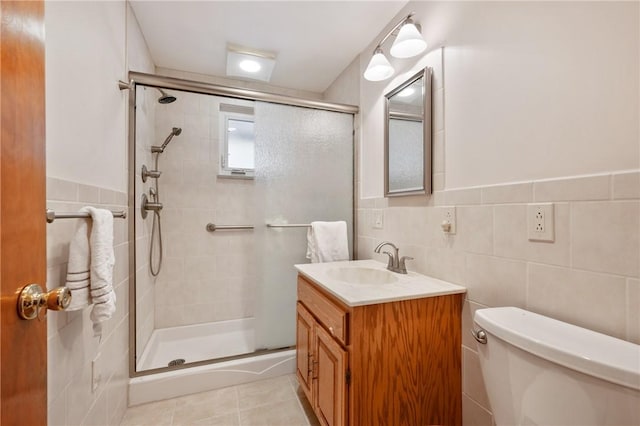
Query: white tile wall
point(71, 344)
point(185, 292)
point(587, 277)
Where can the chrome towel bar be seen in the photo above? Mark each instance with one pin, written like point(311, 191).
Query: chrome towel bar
point(213, 227)
point(52, 215)
point(288, 225)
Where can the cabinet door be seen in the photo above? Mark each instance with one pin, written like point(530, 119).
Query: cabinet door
point(304, 346)
point(331, 381)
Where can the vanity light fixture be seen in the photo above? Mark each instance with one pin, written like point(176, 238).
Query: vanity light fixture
point(408, 43)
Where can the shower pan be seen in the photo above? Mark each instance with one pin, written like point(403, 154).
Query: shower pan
point(223, 303)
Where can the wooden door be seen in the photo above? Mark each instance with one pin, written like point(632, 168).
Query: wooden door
point(331, 380)
point(304, 342)
point(23, 344)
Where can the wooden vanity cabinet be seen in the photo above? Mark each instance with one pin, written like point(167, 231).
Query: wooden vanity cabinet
point(394, 363)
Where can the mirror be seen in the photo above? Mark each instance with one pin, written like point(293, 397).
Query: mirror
point(407, 142)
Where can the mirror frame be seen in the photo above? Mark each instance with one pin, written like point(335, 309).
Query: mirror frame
point(427, 179)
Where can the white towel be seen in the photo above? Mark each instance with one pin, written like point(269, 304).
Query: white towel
point(102, 261)
point(99, 248)
point(78, 268)
point(327, 242)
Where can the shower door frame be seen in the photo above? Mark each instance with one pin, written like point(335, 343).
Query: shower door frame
point(163, 82)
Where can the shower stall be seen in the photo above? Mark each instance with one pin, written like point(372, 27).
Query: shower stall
point(212, 246)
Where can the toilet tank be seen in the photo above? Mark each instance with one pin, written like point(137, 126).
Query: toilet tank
point(541, 371)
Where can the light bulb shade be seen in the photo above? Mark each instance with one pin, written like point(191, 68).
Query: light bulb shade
point(379, 67)
point(409, 42)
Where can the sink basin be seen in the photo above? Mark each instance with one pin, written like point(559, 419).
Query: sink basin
point(360, 275)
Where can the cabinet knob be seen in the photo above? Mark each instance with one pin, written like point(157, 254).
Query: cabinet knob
point(331, 331)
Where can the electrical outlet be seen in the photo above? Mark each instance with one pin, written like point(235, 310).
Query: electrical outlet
point(540, 223)
point(378, 219)
point(449, 220)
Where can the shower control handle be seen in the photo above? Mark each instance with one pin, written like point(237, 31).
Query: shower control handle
point(146, 173)
point(146, 205)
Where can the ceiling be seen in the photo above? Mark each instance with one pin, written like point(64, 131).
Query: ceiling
point(314, 40)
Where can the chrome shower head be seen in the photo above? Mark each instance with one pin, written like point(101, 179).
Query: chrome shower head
point(160, 149)
point(165, 98)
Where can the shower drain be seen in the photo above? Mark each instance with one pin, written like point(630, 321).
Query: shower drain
point(175, 362)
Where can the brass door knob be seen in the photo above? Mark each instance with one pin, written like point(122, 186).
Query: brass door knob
point(32, 299)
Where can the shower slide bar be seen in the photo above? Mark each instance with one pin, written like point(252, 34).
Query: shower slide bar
point(52, 215)
point(288, 225)
point(213, 227)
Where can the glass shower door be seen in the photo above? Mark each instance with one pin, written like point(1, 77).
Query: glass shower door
point(303, 173)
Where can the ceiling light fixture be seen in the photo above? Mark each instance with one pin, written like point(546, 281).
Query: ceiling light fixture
point(408, 43)
point(249, 65)
point(245, 62)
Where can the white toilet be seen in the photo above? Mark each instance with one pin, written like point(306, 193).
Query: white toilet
point(540, 371)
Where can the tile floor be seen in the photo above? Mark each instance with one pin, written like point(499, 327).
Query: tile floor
point(272, 402)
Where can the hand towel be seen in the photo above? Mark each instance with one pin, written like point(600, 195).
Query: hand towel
point(78, 274)
point(327, 242)
point(102, 262)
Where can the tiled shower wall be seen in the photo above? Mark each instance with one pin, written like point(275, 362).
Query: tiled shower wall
point(72, 348)
point(205, 276)
point(589, 276)
point(146, 104)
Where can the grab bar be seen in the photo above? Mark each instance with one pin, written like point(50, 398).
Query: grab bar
point(52, 215)
point(211, 227)
point(288, 225)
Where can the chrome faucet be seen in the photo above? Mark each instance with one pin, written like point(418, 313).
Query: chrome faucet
point(396, 263)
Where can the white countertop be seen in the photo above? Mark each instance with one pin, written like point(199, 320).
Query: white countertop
point(409, 286)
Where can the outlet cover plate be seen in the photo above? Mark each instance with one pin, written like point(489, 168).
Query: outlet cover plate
point(378, 219)
point(449, 215)
point(540, 222)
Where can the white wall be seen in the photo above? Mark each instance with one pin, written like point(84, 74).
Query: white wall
point(529, 86)
point(562, 75)
point(87, 45)
point(85, 58)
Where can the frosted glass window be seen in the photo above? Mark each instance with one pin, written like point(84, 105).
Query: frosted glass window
point(238, 144)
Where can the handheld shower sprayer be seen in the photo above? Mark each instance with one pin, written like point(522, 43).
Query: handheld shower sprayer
point(160, 149)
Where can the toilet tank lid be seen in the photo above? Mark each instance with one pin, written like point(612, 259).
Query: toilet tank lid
point(577, 348)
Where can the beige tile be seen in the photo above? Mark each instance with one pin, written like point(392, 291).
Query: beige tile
point(511, 240)
point(284, 413)
point(501, 194)
point(496, 281)
point(626, 185)
point(633, 310)
point(472, 381)
point(590, 300)
point(457, 197)
point(474, 230)
point(263, 392)
point(573, 189)
point(107, 196)
point(61, 190)
point(154, 414)
point(88, 194)
point(56, 410)
point(205, 405)
point(475, 415)
point(468, 310)
point(366, 203)
point(445, 264)
point(606, 237)
point(226, 420)
point(381, 203)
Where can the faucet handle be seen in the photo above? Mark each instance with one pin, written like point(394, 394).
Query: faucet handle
point(401, 265)
point(390, 262)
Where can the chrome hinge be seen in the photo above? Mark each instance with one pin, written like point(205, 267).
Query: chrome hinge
point(347, 377)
